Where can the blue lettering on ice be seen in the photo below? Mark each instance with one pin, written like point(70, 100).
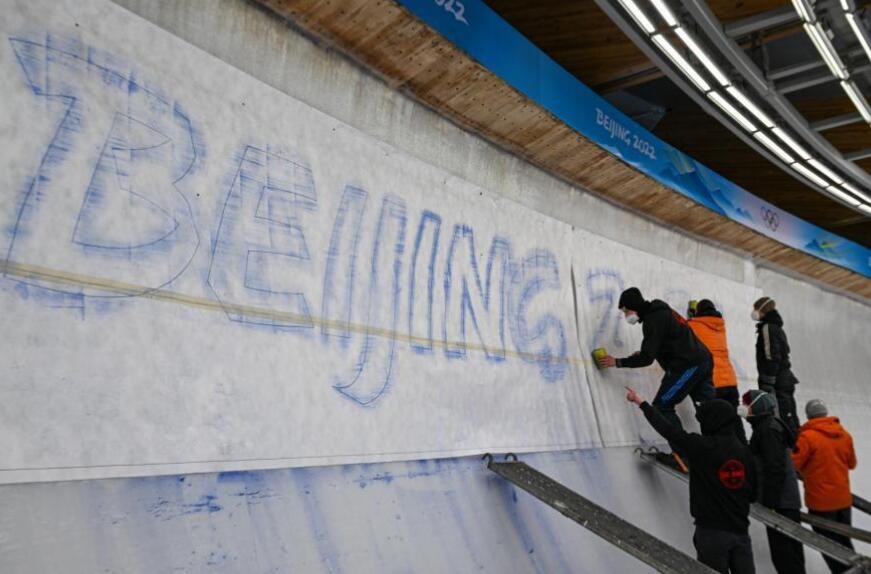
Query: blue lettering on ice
point(603, 288)
point(467, 299)
point(129, 215)
point(260, 252)
point(366, 385)
point(106, 201)
point(544, 340)
point(420, 307)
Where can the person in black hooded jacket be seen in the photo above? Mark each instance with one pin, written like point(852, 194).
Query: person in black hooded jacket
point(771, 445)
point(668, 340)
point(772, 360)
point(722, 483)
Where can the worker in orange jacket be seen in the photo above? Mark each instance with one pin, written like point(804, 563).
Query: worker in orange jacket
point(824, 457)
point(709, 327)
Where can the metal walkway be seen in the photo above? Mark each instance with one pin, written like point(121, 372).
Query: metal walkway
point(837, 527)
point(629, 538)
point(768, 517)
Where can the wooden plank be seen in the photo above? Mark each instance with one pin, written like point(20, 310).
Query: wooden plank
point(388, 39)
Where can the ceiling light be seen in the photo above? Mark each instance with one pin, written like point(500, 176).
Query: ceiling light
point(824, 47)
point(703, 57)
point(640, 17)
point(841, 195)
point(665, 12)
point(810, 175)
point(748, 104)
point(732, 111)
point(858, 100)
point(680, 62)
point(778, 151)
point(785, 138)
point(865, 208)
point(824, 169)
point(804, 11)
point(859, 32)
point(855, 191)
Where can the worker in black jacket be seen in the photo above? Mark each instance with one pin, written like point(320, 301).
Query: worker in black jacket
point(772, 360)
point(722, 483)
point(669, 341)
point(771, 445)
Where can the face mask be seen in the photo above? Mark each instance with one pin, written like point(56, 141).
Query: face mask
point(632, 319)
point(755, 315)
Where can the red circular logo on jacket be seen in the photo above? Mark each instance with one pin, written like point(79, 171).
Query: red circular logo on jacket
point(732, 474)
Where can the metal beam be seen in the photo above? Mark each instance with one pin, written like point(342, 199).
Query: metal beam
point(635, 34)
point(761, 21)
point(858, 154)
point(624, 535)
point(806, 81)
point(836, 122)
point(712, 27)
point(793, 69)
point(814, 79)
point(787, 527)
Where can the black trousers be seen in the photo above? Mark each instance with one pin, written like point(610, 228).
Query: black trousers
point(786, 554)
point(724, 551)
point(694, 381)
point(730, 395)
point(844, 517)
point(784, 391)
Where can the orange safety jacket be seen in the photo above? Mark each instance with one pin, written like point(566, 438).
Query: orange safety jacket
point(711, 331)
point(824, 457)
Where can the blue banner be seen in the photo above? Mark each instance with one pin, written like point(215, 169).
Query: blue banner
point(486, 37)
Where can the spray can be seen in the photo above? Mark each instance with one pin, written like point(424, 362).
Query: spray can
point(598, 355)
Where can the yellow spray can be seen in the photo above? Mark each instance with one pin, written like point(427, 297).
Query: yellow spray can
point(598, 355)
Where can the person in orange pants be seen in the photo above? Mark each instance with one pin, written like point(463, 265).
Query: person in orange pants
point(824, 457)
point(709, 327)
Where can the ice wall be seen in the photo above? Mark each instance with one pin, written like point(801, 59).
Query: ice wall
point(230, 250)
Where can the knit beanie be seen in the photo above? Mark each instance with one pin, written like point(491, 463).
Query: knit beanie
point(705, 306)
point(633, 300)
point(762, 403)
point(815, 408)
point(764, 304)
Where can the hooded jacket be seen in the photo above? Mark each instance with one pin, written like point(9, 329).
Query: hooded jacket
point(824, 456)
point(667, 340)
point(772, 349)
point(722, 470)
point(771, 445)
point(710, 329)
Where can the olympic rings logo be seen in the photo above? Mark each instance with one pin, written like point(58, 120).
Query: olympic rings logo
point(770, 217)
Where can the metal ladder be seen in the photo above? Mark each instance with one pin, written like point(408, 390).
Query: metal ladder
point(626, 536)
point(768, 517)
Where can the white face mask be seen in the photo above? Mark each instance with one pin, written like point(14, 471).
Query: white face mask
point(755, 315)
point(632, 319)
